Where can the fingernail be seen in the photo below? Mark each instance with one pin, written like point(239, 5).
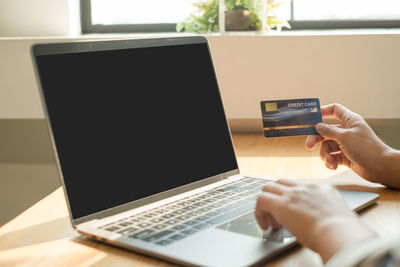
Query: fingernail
point(318, 126)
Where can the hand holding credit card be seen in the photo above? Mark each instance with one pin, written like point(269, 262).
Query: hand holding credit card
point(290, 117)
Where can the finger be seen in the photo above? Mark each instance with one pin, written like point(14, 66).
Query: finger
point(287, 182)
point(263, 219)
point(272, 222)
point(312, 141)
point(328, 147)
point(334, 110)
point(274, 188)
point(329, 166)
point(337, 159)
point(327, 158)
point(266, 202)
point(341, 159)
point(329, 131)
point(333, 147)
point(333, 162)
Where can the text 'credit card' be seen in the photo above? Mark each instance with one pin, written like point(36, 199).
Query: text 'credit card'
point(290, 117)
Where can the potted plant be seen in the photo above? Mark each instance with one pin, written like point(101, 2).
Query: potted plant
point(240, 15)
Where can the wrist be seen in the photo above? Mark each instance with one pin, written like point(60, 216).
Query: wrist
point(335, 233)
point(390, 171)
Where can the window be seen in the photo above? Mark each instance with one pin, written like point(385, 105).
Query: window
point(319, 14)
point(133, 15)
point(161, 15)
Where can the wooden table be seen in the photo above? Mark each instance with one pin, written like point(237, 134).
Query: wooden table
point(43, 236)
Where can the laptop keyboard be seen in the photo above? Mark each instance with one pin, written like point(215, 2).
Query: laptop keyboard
point(177, 220)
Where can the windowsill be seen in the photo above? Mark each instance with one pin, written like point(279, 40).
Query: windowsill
point(338, 32)
point(315, 32)
point(272, 33)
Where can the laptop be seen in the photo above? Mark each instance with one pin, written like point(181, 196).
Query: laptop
point(145, 153)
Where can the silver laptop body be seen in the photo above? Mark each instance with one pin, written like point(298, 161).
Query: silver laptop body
point(110, 102)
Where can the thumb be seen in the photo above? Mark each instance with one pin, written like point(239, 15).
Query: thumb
point(329, 131)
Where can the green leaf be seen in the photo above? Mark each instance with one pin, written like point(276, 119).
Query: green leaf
point(180, 27)
point(273, 22)
point(272, 5)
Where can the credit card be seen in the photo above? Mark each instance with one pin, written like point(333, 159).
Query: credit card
point(290, 117)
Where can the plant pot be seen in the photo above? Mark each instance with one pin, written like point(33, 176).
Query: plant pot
point(238, 20)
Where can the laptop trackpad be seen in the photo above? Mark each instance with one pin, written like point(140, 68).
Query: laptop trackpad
point(248, 225)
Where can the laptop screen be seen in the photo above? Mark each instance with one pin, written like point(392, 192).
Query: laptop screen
point(129, 123)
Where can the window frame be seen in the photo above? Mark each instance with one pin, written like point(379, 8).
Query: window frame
point(342, 24)
point(87, 26)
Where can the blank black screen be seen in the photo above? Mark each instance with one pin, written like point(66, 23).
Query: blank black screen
point(134, 122)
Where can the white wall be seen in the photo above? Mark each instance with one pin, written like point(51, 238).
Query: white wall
point(34, 18)
point(19, 95)
point(361, 71)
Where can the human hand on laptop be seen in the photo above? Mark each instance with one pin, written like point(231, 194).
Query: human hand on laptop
point(354, 144)
point(316, 214)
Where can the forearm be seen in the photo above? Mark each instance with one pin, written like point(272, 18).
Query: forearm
point(390, 172)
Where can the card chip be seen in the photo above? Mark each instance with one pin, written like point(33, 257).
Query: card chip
point(271, 106)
